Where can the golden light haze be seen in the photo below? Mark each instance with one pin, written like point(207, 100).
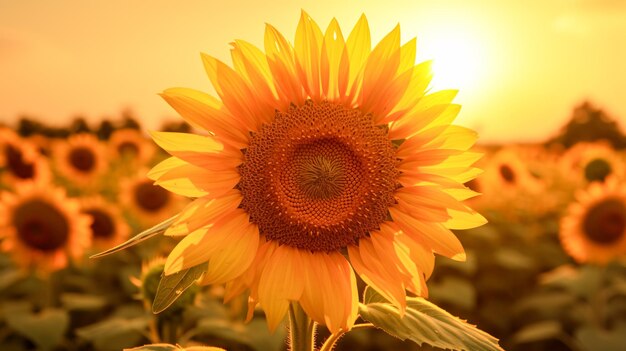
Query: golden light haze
point(520, 66)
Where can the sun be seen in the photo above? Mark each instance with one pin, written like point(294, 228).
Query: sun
point(459, 57)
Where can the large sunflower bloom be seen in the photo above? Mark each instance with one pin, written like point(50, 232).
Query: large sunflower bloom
point(41, 227)
point(324, 158)
point(594, 229)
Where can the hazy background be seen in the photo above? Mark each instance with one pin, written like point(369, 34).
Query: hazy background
point(521, 66)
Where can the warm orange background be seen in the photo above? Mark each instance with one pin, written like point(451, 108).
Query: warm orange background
point(521, 66)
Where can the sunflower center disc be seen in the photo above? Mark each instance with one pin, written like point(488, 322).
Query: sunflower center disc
point(605, 223)
point(150, 197)
point(318, 177)
point(128, 148)
point(102, 226)
point(16, 164)
point(507, 173)
point(82, 159)
point(41, 226)
point(597, 170)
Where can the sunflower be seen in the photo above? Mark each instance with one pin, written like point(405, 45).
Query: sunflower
point(148, 203)
point(20, 160)
point(594, 228)
point(41, 227)
point(508, 174)
point(324, 158)
point(81, 159)
point(130, 145)
point(108, 227)
point(592, 162)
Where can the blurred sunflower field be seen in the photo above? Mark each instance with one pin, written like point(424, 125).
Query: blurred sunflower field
point(546, 273)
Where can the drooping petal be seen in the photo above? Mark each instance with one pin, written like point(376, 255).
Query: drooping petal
point(330, 294)
point(376, 263)
point(280, 283)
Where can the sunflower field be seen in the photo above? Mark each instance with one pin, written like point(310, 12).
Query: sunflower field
point(312, 199)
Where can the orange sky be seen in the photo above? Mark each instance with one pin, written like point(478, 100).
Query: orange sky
point(521, 66)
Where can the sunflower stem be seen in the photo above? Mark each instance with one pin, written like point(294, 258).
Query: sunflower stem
point(301, 329)
point(329, 344)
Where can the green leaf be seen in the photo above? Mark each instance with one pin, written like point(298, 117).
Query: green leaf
point(82, 302)
point(172, 286)
point(115, 333)
point(424, 322)
point(45, 329)
point(145, 235)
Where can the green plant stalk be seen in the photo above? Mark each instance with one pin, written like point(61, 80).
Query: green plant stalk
point(301, 329)
point(329, 344)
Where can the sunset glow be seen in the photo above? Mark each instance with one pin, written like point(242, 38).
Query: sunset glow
point(459, 58)
point(509, 61)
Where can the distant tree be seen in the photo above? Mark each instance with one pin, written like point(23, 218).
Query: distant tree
point(589, 123)
point(129, 120)
point(105, 130)
point(27, 126)
point(79, 125)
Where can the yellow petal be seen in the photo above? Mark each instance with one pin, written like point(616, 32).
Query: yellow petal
point(407, 56)
point(464, 219)
point(206, 112)
point(186, 179)
point(281, 282)
point(281, 62)
point(236, 95)
point(334, 63)
point(199, 246)
point(307, 48)
point(358, 48)
point(421, 75)
point(380, 68)
point(251, 63)
point(423, 117)
point(203, 212)
point(202, 151)
point(235, 256)
point(330, 296)
point(379, 270)
point(439, 239)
